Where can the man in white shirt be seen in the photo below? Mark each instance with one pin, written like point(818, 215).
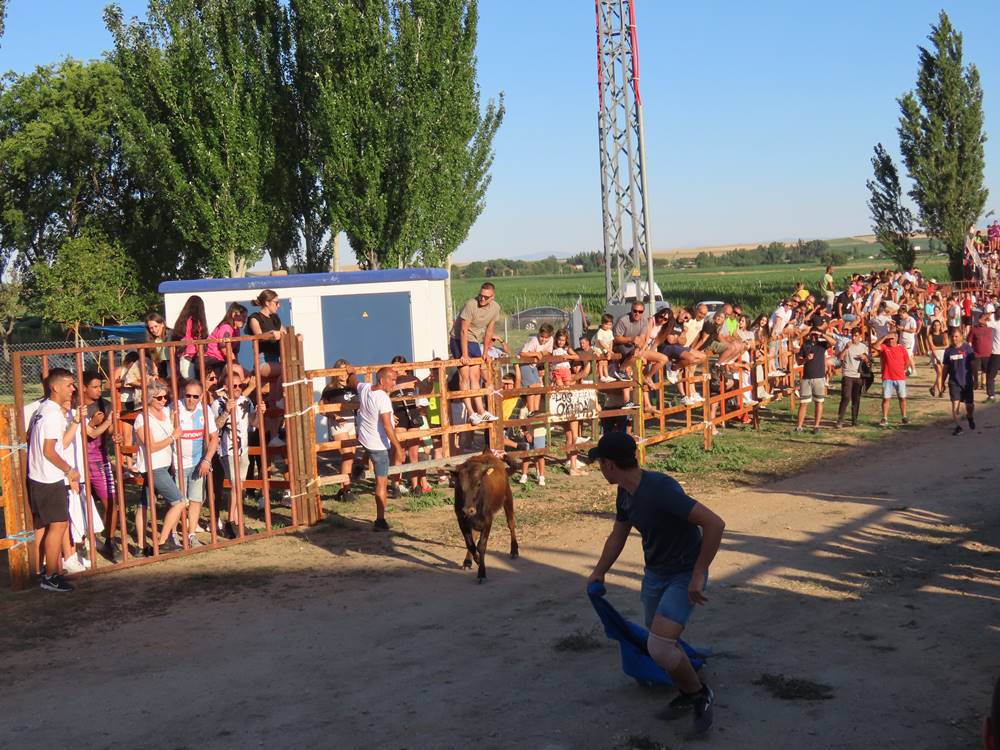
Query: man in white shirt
point(199, 440)
point(376, 432)
point(50, 475)
point(779, 319)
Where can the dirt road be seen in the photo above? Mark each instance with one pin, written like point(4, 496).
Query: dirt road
point(877, 575)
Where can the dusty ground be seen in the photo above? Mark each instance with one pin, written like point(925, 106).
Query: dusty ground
point(876, 574)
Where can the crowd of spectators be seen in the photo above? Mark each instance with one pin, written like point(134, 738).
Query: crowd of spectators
point(866, 326)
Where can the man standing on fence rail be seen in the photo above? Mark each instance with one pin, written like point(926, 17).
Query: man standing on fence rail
point(50, 475)
point(680, 538)
point(471, 338)
point(376, 432)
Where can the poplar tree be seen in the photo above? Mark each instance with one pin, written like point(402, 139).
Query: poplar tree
point(892, 222)
point(199, 120)
point(941, 139)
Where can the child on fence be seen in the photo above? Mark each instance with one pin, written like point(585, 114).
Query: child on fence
point(561, 371)
point(604, 339)
point(231, 325)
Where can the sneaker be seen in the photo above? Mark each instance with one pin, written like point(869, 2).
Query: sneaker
point(815, 430)
point(838, 424)
point(990, 398)
point(523, 479)
point(620, 375)
point(777, 374)
point(541, 481)
point(629, 405)
point(581, 440)
point(83, 560)
point(54, 583)
point(403, 489)
point(346, 496)
point(175, 538)
point(228, 530)
point(750, 402)
point(380, 525)
point(687, 401)
point(958, 430)
point(704, 709)
point(883, 422)
point(110, 550)
point(798, 429)
point(170, 545)
point(697, 398)
point(193, 541)
point(905, 420)
point(607, 379)
point(487, 417)
point(972, 423)
point(475, 419)
point(393, 491)
point(671, 376)
point(73, 565)
point(276, 442)
point(854, 423)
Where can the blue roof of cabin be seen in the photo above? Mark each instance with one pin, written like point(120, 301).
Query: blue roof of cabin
point(193, 286)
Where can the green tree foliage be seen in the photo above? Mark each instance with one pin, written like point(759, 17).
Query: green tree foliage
point(3, 16)
point(12, 306)
point(198, 119)
point(59, 157)
point(408, 150)
point(90, 281)
point(892, 222)
point(941, 138)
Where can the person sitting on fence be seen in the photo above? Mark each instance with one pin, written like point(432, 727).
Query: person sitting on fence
point(97, 412)
point(190, 326)
point(50, 477)
point(199, 441)
point(561, 371)
point(537, 346)
point(630, 335)
point(670, 343)
point(268, 370)
point(714, 341)
point(235, 460)
point(231, 325)
point(604, 340)
point(157, 332)
point(472, 329)
point(340, 426)
point(377, 433)
point(156, 434)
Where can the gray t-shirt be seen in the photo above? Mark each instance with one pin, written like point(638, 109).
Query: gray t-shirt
point(850, 360)
point(479, 318)
point(625, 326)
point(659, 510)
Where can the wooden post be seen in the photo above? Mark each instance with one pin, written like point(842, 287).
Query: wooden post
point(14, 503)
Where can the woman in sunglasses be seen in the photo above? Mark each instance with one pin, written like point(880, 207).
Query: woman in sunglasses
point(156, 433)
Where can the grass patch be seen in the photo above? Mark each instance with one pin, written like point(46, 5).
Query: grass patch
point(687, 454)
point(794, 689)
point(432, 499)
point(579, 641)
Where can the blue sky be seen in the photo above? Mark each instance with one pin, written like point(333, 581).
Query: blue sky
point(760, 117)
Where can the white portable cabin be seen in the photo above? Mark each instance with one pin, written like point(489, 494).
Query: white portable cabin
point(365, 317)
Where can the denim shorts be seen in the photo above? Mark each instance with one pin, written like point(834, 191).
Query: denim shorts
point(455, 349)
point(530, 376)
point(667, 596)
point(892, 388)
point(165, 486)
point(380, 459)
point(194, 486)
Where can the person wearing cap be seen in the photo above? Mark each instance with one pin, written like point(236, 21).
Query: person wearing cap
point(680, 538)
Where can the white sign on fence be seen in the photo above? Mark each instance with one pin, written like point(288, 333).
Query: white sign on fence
point(575, 404)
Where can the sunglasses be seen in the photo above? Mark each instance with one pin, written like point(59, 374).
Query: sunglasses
point(638, 312)
point(159, 398)
point(485, 296)
point(192, 395)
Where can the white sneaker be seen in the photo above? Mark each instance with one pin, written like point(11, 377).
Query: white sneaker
point(696, 398)
point(777, 374)
point(85, 562)
point(193, 541)
point(541, 481)
point(276, 442)
point(607, 379)
point(671, 375)
point(475, 419)
point(73, 565)
point(523, 479)
point(487, 417)
point(581, 439)
point(687, 401)
point(175, 538)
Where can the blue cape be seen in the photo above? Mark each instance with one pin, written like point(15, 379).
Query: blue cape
point(636, 661)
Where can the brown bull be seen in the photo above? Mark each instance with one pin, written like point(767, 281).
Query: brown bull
point(481, 489)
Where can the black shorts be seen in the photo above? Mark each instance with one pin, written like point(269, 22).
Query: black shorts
point(673, 351)
point(625, 350)
point(966, 320)
point(49, 502)
point(960, 393)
